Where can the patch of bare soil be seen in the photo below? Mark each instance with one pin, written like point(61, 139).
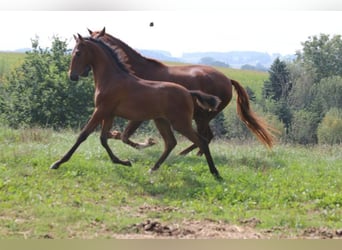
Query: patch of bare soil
point(152, 228)
point(211, 229)
point(322, 233)
point(191, 229)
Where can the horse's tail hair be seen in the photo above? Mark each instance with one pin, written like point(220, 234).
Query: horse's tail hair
point(206, 101)
point(257, 125)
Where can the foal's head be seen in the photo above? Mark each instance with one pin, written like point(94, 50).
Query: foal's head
point(79, 65)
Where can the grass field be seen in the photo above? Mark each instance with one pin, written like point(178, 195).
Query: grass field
point(9, 60)
point(289, 192)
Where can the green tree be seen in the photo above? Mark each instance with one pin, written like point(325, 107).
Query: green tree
point(322, 55)
point(300, 96)
point(39, 91)
point(277, 89)
point(329, 92)
point(279, 84)
point(330, 129)
point(303, 127)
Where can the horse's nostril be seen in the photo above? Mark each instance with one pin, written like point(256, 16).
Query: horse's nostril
point(73, 77)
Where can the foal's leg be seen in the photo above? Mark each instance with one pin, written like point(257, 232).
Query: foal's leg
point(106, 125)
point(204, 130)
point(169, 140)
point(86, 131)
point(185, 129)
point(132, 126)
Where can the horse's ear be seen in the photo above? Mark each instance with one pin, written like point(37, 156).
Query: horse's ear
point(75, 37)
point(80, 37)
point(103, 32)
point(90, 32)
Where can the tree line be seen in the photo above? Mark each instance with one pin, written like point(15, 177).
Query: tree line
point(306, 94)
point(302, 97)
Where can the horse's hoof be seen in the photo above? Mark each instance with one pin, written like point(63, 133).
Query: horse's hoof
point(152, 170)
point(218, 177)
point(114, 135)
point(54, 166)
point(127, 163)
point(151, 142)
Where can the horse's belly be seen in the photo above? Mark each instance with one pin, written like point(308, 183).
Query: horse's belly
point(140, 112)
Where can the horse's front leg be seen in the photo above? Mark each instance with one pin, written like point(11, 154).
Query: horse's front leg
point(106, 125)
point(86, 131)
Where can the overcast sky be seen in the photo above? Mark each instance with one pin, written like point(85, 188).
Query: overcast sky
point(176, 31)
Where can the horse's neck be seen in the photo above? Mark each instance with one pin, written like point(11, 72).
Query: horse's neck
point(139, 64)
point(103, 66)
point(142, 67)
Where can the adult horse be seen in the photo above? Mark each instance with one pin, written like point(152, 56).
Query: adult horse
point(192, 77)
point(119, 93)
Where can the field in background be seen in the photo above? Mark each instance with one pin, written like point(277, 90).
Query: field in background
point(290, 192)
point(9, 60)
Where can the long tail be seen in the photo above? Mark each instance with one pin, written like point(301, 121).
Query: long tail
point(257, 125)
point(206, 101)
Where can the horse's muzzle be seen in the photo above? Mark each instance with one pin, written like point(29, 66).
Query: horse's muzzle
point(73, 77)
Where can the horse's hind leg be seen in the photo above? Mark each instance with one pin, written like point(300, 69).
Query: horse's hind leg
point(204, 130)
point(207, 134)
point(132, 126)
point(106, 125)
point(169, 140)
point(198, 140)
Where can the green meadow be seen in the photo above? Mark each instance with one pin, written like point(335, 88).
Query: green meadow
point(288, 192)
point(291, 191)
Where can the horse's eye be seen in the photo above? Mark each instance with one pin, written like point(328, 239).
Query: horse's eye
point(78, 53)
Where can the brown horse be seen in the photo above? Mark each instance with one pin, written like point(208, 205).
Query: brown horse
point(119, 93)
point(192, 77)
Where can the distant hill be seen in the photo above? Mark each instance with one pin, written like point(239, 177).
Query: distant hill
point(23, 50)
point(159, 55)
point(235, 59)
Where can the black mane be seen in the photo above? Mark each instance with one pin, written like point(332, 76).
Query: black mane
point(115, 52)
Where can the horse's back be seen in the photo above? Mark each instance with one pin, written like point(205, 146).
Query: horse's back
point(204, 78)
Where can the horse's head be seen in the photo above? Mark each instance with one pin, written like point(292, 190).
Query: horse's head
point(79, 65)
point(97, 34)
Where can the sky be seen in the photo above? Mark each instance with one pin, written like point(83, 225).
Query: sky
point(177, 31)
